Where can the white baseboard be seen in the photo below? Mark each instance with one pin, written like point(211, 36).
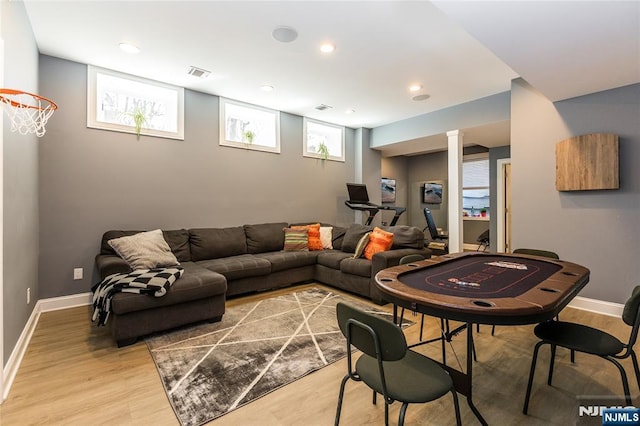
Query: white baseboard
point(83, 299)
point(44, 305)
point(597, 306)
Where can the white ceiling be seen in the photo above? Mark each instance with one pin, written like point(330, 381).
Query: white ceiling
point(564, 49)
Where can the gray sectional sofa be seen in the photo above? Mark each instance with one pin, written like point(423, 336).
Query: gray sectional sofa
point(224, 262)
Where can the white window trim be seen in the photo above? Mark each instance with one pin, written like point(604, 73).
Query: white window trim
point(92, 122)
point(246, 145)
point(306, 153)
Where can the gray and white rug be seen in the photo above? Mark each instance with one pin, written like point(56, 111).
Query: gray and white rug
point(211, 369)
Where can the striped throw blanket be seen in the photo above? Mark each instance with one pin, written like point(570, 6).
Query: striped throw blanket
point(154, 282)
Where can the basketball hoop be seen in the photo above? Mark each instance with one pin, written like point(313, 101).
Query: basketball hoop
point(28, 112)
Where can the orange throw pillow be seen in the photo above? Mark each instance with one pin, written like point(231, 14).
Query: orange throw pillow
point(379, 240)
point(314, 235)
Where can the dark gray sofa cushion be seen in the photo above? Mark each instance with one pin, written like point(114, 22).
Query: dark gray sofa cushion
point(406, 236)
point(360, 266)
point(353, 235)
point(214, 243)
point(235, 267)
point(265, 237)
point(332, 258)
point(283, 260)
point(196, 283)
point(178, 241)
point(337, 237)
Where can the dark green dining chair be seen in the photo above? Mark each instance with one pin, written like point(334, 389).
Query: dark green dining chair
point(387, 365)
point(581, 338)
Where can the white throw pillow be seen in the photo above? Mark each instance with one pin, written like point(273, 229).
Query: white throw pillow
point(145, 250)
point(326, 237)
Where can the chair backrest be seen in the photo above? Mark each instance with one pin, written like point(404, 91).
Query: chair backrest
point(363, 330)
point(630, 311)
point(431, 224)
point(411, 258)
point(536, 252)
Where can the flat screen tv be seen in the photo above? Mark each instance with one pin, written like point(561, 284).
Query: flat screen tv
point(432, 193)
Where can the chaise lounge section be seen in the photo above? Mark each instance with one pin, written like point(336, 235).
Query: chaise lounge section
point(225, 262)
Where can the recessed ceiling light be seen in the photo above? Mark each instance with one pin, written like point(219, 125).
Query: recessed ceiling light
point(421, 97)
point(350, 111)
point(415, 87)
point(284, 34)
point(327, 47)
point(129, 48)
point(266, 88)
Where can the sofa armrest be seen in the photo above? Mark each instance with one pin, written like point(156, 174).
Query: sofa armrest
point(109, 264)
point(387, 259)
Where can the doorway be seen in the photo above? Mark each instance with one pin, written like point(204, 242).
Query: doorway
point(503, 198)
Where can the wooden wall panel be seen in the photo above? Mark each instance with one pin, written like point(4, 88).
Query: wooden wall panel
point(588, 162)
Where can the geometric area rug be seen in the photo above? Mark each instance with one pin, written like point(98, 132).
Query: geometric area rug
point(209, 370)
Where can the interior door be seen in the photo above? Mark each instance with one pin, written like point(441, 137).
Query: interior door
point(507, 207)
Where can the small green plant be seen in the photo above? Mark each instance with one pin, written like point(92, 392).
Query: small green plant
point(323, 150)
point(139, 118)
point(248, 136)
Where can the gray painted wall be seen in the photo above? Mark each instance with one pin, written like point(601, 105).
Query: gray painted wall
point(20, 174)
point(597, 229)
point(427, 168)
point(491, 109)
point(93, 180)
point(396, 168)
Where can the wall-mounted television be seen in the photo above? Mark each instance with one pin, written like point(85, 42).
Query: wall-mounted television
point(388, 190)
point(432, 193)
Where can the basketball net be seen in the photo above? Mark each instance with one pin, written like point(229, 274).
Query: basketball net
point(27, 112)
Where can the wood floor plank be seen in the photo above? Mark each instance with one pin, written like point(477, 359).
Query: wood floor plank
point(73, 374)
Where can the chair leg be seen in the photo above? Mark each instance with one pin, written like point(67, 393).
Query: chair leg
point(403, 411)
point(573, 356)
point(635, 366)
point(444, 353)
point(525, 408)
point(493, 329)
point(401, 318)
point(421, 326)
point(625, 382)
point(456, 407)
point(386, 413)
point(551, 363)
point(375, 397)
point(340, 396)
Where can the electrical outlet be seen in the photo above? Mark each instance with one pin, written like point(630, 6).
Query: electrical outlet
point(28, 295)
point(77, 273)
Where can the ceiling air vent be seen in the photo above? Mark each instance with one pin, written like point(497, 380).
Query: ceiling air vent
point(323, 107)
point(198, 72)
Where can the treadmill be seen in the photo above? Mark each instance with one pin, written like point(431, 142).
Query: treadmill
point(359, 200)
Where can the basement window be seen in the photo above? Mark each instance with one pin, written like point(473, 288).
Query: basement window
point(118, 102)
point(323, 140)
point(249, 127)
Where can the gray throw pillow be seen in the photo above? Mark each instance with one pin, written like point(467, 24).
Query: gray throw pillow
point(362, 244)
point(145, 250)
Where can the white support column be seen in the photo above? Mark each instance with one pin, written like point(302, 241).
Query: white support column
point(455, 191)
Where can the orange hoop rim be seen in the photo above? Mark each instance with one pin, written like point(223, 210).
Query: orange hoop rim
point(52, 105)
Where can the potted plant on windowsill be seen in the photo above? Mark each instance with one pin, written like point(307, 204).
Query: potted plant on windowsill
point(248, 136)
point(323, 150)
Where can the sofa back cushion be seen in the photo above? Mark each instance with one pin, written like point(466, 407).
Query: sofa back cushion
point(265, 237)
point(214, 243)
point(353, 235)
point(178, 241)
point(406, 236)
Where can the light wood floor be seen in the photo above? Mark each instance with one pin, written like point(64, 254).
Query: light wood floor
point(73, 374)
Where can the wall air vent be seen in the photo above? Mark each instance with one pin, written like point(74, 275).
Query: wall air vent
point(323, 107)
point(198, 72)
